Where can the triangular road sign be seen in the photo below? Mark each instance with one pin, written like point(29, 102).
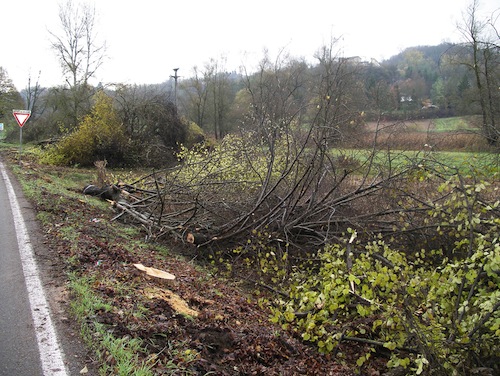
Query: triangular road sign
point(21, 116)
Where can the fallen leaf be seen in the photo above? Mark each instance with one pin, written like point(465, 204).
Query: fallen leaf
point(84, 371)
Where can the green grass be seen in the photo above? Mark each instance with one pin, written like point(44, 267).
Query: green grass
point(485, 165)
point(452, 124)
point(482, 165)
point(124, 351)
point(86, 303)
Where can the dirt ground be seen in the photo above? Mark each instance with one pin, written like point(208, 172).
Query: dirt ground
point(221, 328)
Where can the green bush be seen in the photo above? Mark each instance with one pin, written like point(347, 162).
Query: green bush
point(194, 134)
point(434, 311)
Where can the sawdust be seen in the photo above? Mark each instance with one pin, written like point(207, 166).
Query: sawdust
point(175, 301)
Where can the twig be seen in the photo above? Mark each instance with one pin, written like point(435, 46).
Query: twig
point(483, 320)
point(272, 289)
point(376, 343)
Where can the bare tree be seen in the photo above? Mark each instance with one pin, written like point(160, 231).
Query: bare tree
point(338, 92)
point(209, 97)
point(220, 97)
point(275, 92)
point(78, 51)
point(196, 93)
point(480, 38)
point(33, 94)
point(36, 101)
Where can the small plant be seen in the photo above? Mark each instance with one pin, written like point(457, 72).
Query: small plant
point(266, 255)
point(86, 302)
point(123, 352)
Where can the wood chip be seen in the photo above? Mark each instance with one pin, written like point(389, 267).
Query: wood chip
point(155, 272)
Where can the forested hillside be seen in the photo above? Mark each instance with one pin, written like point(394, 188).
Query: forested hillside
point(420, 82)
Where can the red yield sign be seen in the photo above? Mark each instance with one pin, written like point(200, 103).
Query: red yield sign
point(21, 116)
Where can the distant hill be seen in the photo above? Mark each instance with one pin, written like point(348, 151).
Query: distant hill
point(431, 52)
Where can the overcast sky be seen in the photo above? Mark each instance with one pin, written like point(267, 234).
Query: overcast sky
point(146, 39)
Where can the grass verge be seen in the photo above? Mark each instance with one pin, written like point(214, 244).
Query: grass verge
point(120, 354)
point(65, 214)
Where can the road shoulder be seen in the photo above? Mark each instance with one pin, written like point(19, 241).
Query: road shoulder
point(55, 284)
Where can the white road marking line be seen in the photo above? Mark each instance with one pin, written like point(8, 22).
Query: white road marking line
point(51, 354)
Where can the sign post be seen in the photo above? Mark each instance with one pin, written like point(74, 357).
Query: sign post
point(21, 117)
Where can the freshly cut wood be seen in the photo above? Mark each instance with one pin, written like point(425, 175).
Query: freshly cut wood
point(155, 272)
point(175, 301)
point(196, 238)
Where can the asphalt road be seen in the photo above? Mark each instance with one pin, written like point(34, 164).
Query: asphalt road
point(19, 353)
point(36, 335)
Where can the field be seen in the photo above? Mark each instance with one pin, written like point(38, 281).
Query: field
point(449, 134)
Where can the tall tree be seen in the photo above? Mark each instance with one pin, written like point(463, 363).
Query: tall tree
point(218, 80)
point(338, 94)
point(33, 94)
point(209, 96)
point(78, 51)
point(481, 40)
point(196, 93)
point(276, 95)
point(9, 99)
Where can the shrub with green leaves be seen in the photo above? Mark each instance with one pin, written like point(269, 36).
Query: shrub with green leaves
point(435, 311)
point(236, 161)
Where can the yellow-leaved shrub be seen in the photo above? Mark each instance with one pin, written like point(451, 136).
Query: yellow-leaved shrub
point(100, 135)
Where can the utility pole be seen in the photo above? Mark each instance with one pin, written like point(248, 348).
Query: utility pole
point(175, 77)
